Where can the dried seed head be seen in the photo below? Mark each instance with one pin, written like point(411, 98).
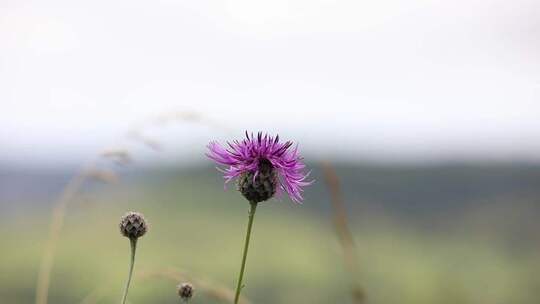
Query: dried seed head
point(262, 187)
point(185, 291)
point(133, 225)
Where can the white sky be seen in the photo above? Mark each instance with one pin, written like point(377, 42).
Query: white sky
point(385, 79)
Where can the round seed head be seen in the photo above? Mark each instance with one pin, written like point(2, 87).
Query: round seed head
point(133, 225)
point(260, 187)
point(185, 291)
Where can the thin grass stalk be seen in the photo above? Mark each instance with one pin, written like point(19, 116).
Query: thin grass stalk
point(239, 286)
point(57, 222)
point(133, 243)
point(343, 232)
point(212, 290)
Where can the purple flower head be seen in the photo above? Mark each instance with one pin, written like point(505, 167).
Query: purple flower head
point(254, 157)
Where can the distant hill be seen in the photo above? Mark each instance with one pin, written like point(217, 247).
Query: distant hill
point(405, 191)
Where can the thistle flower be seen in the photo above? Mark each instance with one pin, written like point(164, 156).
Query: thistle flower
point(133, 226)
point(262, 165)
point(185, 291)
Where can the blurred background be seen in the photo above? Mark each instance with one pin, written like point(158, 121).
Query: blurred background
point(427, 112)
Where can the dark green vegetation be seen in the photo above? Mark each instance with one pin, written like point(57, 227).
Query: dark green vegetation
point(434, 234)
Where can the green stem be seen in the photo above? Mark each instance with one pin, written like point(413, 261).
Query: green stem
point(133, 242)
point(252, 209)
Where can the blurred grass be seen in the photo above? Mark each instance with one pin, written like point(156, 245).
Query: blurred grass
point(294, 258)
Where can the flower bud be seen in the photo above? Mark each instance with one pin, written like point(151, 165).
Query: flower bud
point(185, 291)
point(133, 225)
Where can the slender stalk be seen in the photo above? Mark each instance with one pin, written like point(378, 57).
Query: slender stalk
point(343, 232)
point(252, 209)
point(133, 242)
point(57, 222)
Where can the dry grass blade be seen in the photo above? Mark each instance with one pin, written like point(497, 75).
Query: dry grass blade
point(212, 290)
point(343, 231)
point(151, 143)
point(105, 176)
point(121, 157)
point(57, 222)
point(74, 185)
point(93, 297)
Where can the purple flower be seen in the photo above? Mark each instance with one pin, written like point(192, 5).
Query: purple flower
point(261, 163)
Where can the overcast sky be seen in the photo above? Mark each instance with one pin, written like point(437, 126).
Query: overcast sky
point(386, 79)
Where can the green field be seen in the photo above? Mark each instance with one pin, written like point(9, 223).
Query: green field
point(295, 257)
